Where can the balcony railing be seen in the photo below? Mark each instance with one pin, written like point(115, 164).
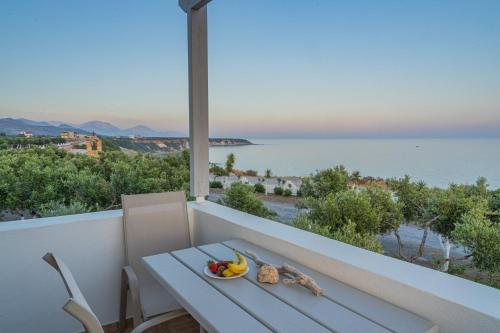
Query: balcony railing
point(92, 245)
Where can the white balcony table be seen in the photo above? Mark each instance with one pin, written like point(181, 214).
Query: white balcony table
point(245, 305)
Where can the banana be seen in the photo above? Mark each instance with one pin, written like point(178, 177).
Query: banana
point(227, 273)
point(240, 267)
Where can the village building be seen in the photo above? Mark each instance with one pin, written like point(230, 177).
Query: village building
point(26, 134)
point(290, 183)
point(94, 145)
point(69, 135)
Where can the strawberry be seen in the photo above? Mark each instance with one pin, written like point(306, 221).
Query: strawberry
point(212, 266)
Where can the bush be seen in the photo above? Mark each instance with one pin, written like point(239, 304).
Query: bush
point(218, 171)
point(58, 208)
point(287, 192)
point(324, 182)
point(259, 188)
point(242, 197)
point(278, 190)
point(482, 240)
point(216, 184)
point(252, 173)
point(346, 234)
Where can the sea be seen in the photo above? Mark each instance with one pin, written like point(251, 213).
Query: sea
point(438, 162)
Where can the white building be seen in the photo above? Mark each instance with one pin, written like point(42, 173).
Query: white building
point(26, 134)
point(290, 183)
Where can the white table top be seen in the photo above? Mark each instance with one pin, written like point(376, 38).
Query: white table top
point(245, 305)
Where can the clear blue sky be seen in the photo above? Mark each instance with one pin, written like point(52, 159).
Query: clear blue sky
point(276, 68)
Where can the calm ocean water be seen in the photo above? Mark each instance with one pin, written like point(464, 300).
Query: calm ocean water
point(438, 162)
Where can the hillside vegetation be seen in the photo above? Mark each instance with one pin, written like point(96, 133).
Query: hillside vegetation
point(35, 180)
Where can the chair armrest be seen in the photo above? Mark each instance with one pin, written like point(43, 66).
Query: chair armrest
point(133, 285)
point(158, 320)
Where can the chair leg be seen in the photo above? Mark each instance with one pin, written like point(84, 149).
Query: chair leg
point(122, 323)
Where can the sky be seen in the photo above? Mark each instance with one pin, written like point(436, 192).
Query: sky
point(277, 68)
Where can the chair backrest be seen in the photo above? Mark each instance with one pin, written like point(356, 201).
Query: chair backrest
point(153, 223)
point(76, 306)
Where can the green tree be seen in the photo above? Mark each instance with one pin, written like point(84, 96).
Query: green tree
point(252, 173)
point(346, 234)
point(494, 201)
point(448, 206)
point(33, 177)
point(325, 182)
point(218, 171)
point(414, 197)
point(109, 145)
point(231, 159)
point(415, 200)
point(356, 176)
point(353, 216)
point(436, 209)
point(482, 238)
point(242, 197)
point(372, 210)
point(268, 173)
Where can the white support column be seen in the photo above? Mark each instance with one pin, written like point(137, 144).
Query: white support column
point(198, 96)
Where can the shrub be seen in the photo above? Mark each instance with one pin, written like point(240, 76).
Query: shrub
point(216, 184)
point(371, 210)
point(218, 171)
point(325, 182)
point(278, 190)
point(346, 234)
point(58, 208)
point(252, 173)
point(242, 197)
point(287, 192)
point(259, 188)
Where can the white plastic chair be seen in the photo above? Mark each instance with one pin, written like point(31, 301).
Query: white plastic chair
point(79, 309)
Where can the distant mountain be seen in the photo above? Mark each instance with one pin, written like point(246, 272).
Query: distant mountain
point(149, 132)
point(33, 122)
point(104, 128)
point(59, 123)
point(13, 126)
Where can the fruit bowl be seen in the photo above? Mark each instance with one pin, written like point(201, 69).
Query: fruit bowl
point(214, 276)
point(227, 269)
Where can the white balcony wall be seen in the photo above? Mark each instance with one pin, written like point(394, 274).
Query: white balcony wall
point(32, 294)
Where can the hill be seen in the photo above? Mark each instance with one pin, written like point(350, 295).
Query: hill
point(13, 126)
point(104, 128)
point(166, 145)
